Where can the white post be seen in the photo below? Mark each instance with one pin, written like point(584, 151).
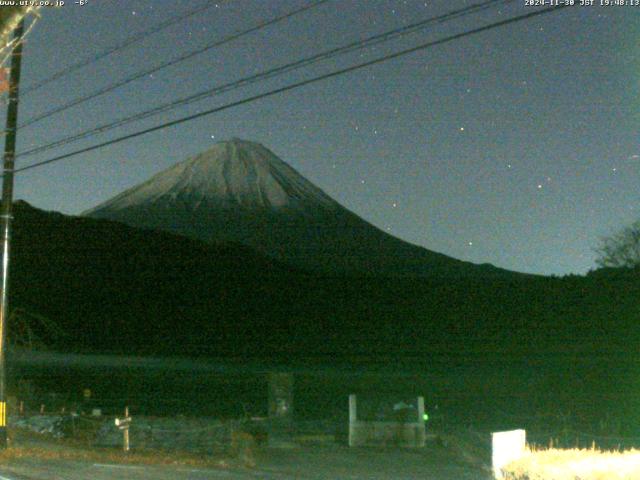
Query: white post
point(353, 417)
point(421, 431)
point(421, 410)
point(353, 409)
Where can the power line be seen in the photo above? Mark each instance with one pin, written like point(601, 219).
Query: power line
point(181, 58)
point(293, 86)
point(360, 44)
point(116, 48)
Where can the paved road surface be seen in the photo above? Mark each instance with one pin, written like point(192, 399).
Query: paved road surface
point(326, 463)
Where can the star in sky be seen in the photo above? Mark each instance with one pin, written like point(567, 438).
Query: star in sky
point(524, 126)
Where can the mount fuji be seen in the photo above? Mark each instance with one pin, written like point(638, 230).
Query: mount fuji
point(239, 191)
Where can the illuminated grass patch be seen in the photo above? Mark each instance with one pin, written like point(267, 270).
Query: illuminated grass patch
point(556, 464)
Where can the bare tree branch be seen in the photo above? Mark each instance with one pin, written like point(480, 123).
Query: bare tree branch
point(620, 250)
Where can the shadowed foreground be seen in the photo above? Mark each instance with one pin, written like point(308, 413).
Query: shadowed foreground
point(330, 463)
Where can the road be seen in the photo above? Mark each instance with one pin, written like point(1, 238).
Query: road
point(323, 463)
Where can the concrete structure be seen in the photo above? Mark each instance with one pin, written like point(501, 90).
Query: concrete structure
point(409, 433)
point(280, 409)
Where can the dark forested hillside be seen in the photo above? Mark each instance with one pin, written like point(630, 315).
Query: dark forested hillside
point(114, 288)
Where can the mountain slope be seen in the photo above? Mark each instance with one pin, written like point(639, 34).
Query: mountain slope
point(111, 287)
point(240, 191)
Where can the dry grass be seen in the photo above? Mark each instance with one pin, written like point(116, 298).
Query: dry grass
point(28, 445)
point(575, 464)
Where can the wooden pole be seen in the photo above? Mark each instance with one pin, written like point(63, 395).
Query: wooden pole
point(126, 431)
point(5, 217)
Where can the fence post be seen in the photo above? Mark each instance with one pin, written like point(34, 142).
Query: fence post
point(123, 424)
point(126, 431)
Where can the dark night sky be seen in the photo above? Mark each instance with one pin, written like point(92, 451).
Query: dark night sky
point(517, 146)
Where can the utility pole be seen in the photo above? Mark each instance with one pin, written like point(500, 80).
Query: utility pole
point(5, 217)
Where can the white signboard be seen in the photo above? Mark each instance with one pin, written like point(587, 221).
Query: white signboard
point(506, 447)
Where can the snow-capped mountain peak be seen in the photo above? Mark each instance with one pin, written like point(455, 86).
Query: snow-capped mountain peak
point(239, 191)
point(232, 174)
